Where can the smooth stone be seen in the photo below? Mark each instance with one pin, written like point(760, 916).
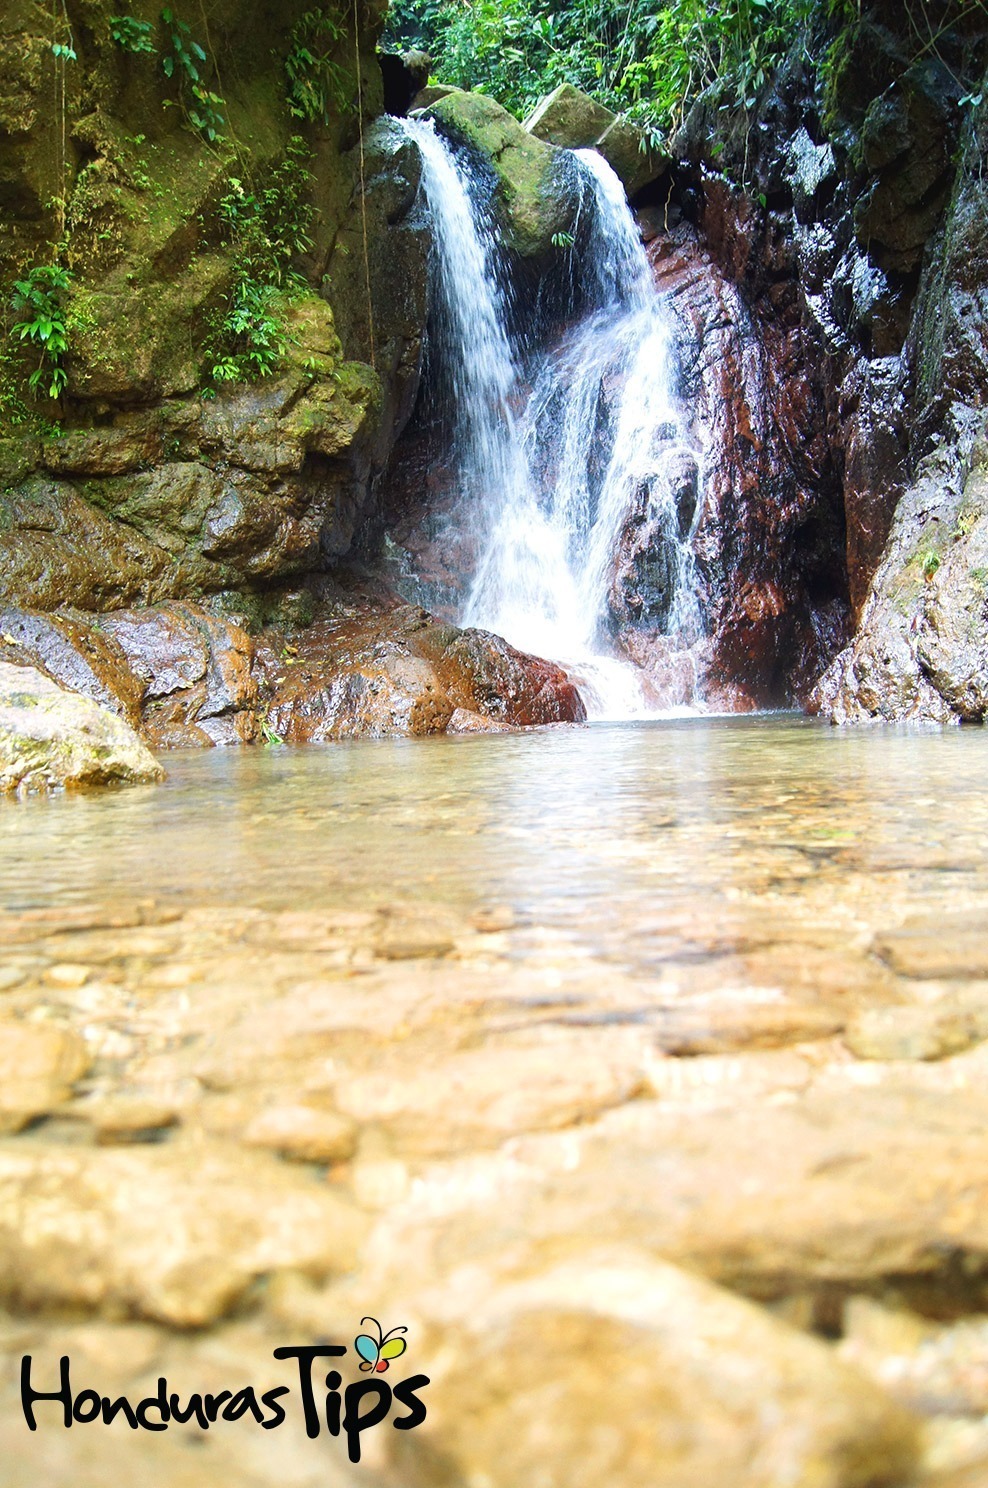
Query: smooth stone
point(39, 1063)
point(932, 1031)
point(847, 1182)
point(51, 738)
point(932, 1368)
point(713, 1029)
point(622, 1370)
point(947, 949)
point(476, 1098)
point(303, 1133)
point(124, 1118)
point(174, 1233)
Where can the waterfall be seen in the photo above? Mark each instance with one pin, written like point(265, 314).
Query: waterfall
point(547, 490)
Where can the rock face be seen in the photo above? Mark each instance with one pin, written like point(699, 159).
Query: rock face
point(836, 395)
point(536, 194)
point(50, 737)
point(770, 578)
point(150, 478)
point(922, 648)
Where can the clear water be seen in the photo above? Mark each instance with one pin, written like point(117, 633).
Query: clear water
point(617, 835)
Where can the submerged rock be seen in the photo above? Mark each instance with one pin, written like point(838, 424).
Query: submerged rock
point(50, 737)
point(928, 1031)
point(537, 193)
point(39, 1064)
point(619, 1369)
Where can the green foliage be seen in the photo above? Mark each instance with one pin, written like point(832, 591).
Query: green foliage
point(200, 104)
point(269, 224)
point(648, 60)
point(42, 323)
point(132, 35)
point(267, 228)
point(929, 562)
point(271, 738)
point(63, 53)
point(318, 84)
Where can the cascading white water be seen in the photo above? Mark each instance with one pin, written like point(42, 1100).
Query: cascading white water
point(472, 316)
point(548, 492)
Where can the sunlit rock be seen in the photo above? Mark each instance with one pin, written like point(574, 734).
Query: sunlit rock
point(50, 737)
point(175, 1233)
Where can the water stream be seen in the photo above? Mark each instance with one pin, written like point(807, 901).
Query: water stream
point(547, 491)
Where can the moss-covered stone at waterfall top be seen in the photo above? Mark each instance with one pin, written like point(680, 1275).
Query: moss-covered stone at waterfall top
point(537, 192)
point(573, 119)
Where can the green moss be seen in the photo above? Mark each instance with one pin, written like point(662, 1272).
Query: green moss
point(535, 200)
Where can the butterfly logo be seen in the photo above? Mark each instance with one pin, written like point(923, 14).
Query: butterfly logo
point(378, 1352)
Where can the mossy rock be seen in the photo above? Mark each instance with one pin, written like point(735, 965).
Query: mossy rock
point(50, 737)
point(569, 117)
point(537, 194)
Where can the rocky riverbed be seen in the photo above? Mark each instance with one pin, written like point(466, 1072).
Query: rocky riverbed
point(640, 1073)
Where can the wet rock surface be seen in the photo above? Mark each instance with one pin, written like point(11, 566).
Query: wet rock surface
point(537, 193)
point(376, 673)
point(370, 667)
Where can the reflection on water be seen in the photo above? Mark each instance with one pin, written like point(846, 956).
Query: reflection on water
point(606, 831)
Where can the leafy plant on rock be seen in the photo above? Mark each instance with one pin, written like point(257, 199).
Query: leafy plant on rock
point(132, 35)
point(200, 104)
point(267, 227)
point(42, 324)
point(318, 84)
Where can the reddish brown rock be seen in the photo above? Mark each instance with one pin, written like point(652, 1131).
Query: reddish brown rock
point(76, 654)
point(380, 669)
point(180, 675)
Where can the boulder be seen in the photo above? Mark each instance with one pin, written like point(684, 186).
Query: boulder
point(573, 119)
point(431, 95)
point(570, 118)
point(537, 193)
point(50, 738)
point(388, 670)
point(626, 151)
point(178, 674)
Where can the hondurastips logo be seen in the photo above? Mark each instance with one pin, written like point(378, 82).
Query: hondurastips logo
point(326, 1404)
